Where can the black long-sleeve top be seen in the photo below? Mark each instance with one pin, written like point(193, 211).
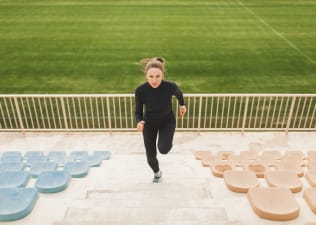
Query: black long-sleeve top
point(157, 101)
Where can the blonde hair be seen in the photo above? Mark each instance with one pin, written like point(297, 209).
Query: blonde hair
point(156, 62)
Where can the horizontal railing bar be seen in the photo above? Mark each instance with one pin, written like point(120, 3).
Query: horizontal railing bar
point(131, 95)
point(134, 129)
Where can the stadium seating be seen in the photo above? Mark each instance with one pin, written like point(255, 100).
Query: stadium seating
point(105, 155)
point(200, 154)
point(52, 181)
point(34, 159)
point(289, 165)
point(12, 166)
point(281, 172)
point(77, 169)
point(16, 203)
point(58, 157)
point(311, 177)
point(38, 168)
point(273, 154)
point(79, 155)
point(53, 173)
point(12, 156)
point(94, 160)
point(284, 179)
point(32, 154)
point(14, 179)
point(258, 168)
point(273, 203)
point(310, 197)
point(240, 181)
point(209, 160)
point(219, 167)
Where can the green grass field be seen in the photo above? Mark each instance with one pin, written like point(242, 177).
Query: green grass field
point(211, 46)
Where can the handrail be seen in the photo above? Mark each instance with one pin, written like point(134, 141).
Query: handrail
point(115, 112)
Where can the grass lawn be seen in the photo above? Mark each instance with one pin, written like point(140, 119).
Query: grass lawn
point(211, 46)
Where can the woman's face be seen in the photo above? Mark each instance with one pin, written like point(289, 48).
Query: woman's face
point(154, 77)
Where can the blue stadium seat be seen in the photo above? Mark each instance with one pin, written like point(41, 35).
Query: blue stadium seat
point(31, 154)
point(52, 181)
point(36, 159)
point(12, 156)
point(38, 168)
point(12, 166)
point(94, 160)
point(106, 155)
point(14, 179)
point(77, 169)
point(58, 157)
point(16, 203)
point(79, 155)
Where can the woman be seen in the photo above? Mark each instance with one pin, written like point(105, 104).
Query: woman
point(158, 119)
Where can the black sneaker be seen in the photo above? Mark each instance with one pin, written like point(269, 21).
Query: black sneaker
point(157, 177)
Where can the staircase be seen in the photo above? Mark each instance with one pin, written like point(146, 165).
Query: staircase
point(129, 197)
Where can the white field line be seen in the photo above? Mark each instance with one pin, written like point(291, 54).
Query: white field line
point(291, 44)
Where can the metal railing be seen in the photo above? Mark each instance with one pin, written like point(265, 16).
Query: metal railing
point(115, 112)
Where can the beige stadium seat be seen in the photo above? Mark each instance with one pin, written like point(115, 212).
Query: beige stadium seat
point(239, 160)
point(258, 168)
point(208, 160)
point(289, 165)
point(224, 154)
point(240, 181)
point(311, 177)
point(311, 154)
point(250, 155)
point(220, 166)
point(284, 179)
point(299, 161)
point(273, 203)
point(310, 197)
point(200, 154)
point(294, 155)
point(311, 164)
point(273, 153)
point(266, 160)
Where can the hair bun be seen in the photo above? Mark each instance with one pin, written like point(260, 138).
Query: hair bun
point(160, 59)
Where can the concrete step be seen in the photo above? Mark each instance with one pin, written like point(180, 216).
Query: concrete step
point(146, 215)
point(150, 223)
point(182, 193)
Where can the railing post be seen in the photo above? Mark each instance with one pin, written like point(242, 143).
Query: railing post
point(200, 113)
point(290, 116)
point(64, 112)
point(19, 113)
point(109, 113)
point(245, 115)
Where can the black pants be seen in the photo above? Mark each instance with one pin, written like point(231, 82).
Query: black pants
point(164, 130)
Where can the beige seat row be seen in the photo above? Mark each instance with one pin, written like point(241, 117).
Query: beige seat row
point(275, 202)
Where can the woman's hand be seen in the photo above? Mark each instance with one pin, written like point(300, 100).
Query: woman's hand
point(140, 125)
point(183, 110)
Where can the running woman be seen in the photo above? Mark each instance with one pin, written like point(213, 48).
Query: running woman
point(158, 120)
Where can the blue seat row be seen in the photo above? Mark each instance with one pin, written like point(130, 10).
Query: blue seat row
point(17, 200)
point(58, 156)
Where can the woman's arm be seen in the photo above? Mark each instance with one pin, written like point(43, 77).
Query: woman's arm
point(178, 93)
point(139, 112)
point(138, 107)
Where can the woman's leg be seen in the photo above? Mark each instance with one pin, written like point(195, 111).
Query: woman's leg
point(166, 133)
point(150, 138)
